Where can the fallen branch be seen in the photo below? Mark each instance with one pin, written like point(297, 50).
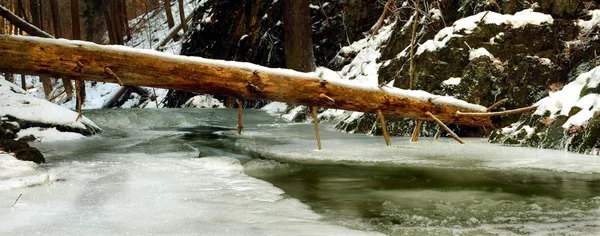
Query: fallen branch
point(500, 113)
point(22, 24)
point(137, 67)
point(443, 126)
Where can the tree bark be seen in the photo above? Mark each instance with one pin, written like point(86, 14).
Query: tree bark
point(182, 16)
point(58, 33)
point(242, 80)
point(298, 36)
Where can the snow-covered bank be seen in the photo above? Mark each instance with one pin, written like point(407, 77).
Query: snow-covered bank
point(18, 106)
point(135, 194)
point(15, 174)
point(566, 119)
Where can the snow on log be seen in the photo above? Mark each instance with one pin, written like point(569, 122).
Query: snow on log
point(142, 67)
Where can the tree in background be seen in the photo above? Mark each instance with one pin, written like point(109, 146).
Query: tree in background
point(59, 34)
point(76, 30)
point(36, 19)
point(298, 36)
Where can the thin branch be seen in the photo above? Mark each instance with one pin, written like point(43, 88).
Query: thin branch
point(498, 103)
point(500, 113)
point(443, 126)
point(386, 135)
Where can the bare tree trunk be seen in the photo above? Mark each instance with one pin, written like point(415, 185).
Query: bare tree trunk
point(379, 24)
point(76, 28)
point(109, 22)
point(37, 21)
point(170, 20)
point(182, 16)
point(125, 19)
point(298, 36)
point(34, 7)
point(216, 77)
point(117, 21)
point(21, 13)
point(58, 34)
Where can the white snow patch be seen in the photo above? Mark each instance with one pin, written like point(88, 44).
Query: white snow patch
point(15, 102)
point(480, 52)
point(275, 108)
point(203, 101)
point(589, 25)
point(49, 134)
point(452, 81)
point(468, 24)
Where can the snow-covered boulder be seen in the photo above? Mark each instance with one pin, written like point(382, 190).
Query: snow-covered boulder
point(25, 111)
point(566, 119)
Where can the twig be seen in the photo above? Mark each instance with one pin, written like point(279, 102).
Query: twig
point(113, 75)
point(19, 197)
point(415, 134)
point(442, 125)
point(240, 125)
point(386, 135)
point(316, 119)
point(500, 113)
point(498, 103)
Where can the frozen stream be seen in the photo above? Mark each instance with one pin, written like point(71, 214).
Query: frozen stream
point(143, 176)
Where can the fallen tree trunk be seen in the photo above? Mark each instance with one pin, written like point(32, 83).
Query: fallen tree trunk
point(139, 67)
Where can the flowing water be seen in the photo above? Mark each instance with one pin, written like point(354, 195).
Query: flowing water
point(186, 171)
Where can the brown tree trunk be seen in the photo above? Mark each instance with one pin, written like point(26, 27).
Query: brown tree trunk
point(9, 77)
point(170, 21)
point(298, 36)
point(109, 22)
point(117, 21)
point(22, 24)
point(125, 19)
point(182, 16)
point(37, 22)
point(76, 28)
point(34, 7)
point(58, 34)
point(93, 62)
